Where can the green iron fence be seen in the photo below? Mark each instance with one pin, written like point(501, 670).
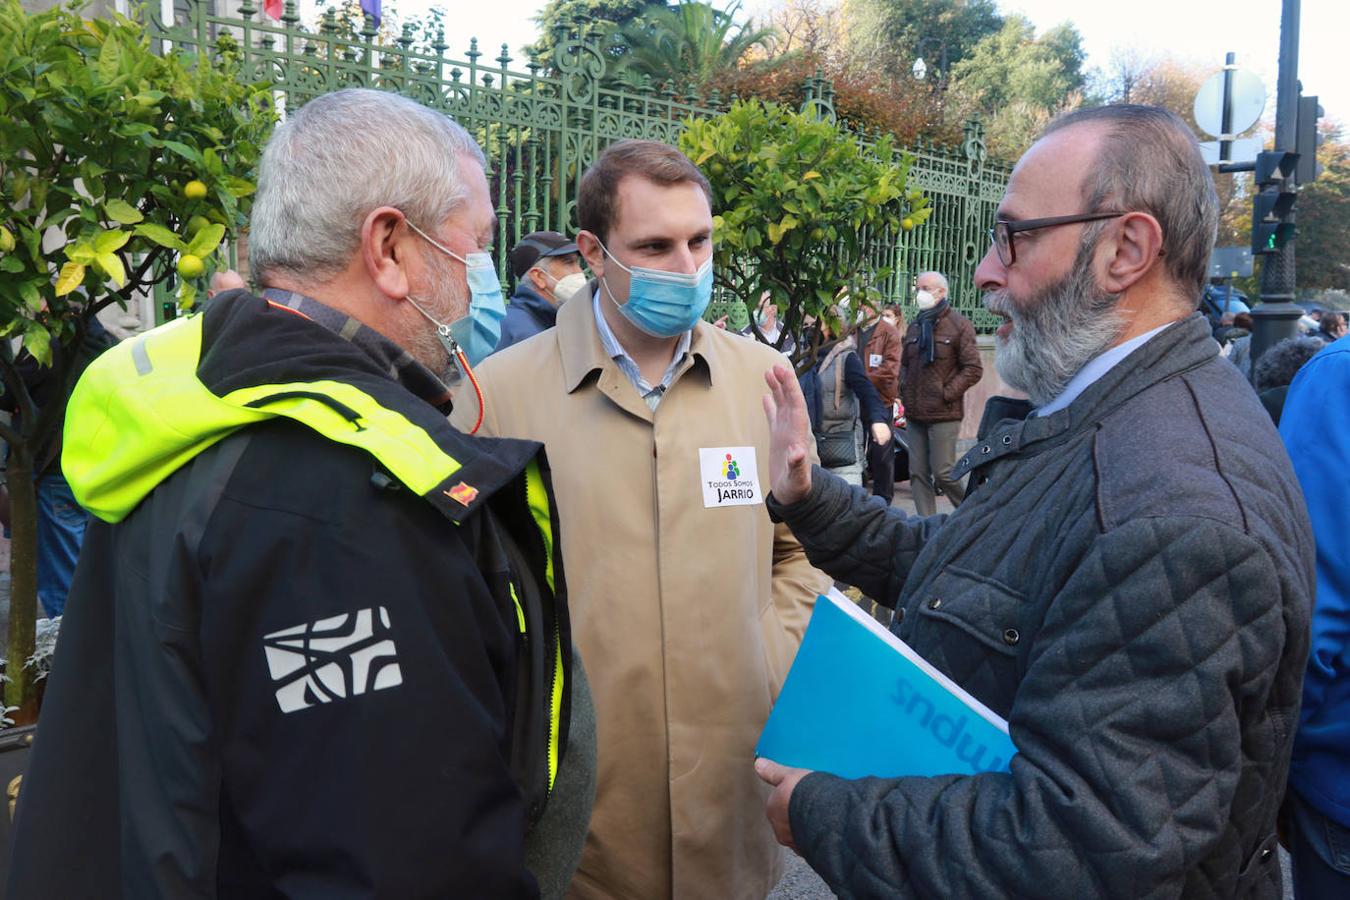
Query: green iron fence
point(541, 123)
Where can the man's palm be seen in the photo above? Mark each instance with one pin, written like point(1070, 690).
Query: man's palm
point(789, 436)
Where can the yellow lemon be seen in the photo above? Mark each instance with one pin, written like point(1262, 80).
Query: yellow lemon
point(907, 223)
point(194, 190)
point(6, 240)
point(190, 266)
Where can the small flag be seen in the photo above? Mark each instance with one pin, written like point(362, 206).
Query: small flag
point(372, 9)
point(462, 493)
point(273, 8)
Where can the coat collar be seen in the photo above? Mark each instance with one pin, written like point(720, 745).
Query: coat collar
point(1182, 346)
point(583, 353)
point(526, 298)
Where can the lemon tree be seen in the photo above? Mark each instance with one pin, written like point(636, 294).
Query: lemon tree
point(117, 165)
point(796, 201)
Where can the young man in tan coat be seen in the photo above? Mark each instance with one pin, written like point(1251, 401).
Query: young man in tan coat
point(687, 602)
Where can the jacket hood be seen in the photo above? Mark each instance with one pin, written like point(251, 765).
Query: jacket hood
point(151, 404)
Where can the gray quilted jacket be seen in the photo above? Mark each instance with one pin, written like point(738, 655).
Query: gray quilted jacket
point(1129, 582)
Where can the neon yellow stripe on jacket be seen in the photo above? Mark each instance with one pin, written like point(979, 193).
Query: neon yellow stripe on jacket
point(140, 412)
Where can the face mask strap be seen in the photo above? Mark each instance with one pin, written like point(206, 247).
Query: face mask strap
point(435, 243)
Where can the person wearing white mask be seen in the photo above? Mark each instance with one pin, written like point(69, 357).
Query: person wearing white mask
point(548, 271)
point(941, 361)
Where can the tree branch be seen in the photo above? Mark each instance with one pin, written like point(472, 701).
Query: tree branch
point(9, 374)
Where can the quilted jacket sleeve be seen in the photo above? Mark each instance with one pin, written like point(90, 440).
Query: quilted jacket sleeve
point(855, 537)
point(1127, 723)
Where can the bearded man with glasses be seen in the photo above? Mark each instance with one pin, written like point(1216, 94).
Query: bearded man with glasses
point(1128, 581)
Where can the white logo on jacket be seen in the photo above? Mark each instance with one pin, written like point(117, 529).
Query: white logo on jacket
point(333, 659)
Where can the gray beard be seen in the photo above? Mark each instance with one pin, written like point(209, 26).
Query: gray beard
point(444, 300)
point(1056, 333)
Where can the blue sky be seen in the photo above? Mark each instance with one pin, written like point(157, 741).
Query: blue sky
point(1198, 31)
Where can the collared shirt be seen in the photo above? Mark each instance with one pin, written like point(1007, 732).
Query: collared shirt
point(650, 394)
point(396, 361)
point(1095, 369)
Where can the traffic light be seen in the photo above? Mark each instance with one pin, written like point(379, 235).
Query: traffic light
point(1307, 139)
point(1273, 167)
point(1273, 201)
point(1269, 230)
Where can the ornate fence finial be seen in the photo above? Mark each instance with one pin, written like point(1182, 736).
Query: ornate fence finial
point(289, 17)
point(818, 97)
point(973, 147)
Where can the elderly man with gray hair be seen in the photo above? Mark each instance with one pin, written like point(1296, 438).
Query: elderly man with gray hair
point(940, 363)
point(318, 642)
point(1128, 582)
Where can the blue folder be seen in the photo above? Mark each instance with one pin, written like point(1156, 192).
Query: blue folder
point(859, 701)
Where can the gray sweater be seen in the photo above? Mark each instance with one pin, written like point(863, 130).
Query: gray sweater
point(1129, 583)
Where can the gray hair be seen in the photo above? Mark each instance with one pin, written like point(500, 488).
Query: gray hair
point(941, 279)
point(340, 156)
point(1278, 365)
point(1150, 162)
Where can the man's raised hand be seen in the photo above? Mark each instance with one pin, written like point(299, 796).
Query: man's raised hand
point(789, 436)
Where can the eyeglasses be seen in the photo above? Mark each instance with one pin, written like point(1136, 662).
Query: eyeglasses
point(1002, 232)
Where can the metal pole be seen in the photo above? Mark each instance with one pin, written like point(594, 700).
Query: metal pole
point(1277, 316)
point(1226, 126)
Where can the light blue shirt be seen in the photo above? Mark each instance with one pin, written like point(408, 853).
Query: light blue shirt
point(651, 394)
point(1094, 370)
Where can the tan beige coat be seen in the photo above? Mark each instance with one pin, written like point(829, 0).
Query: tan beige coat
point(687, 617)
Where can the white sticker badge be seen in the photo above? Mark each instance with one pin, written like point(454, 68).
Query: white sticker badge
point(874, 360)
point(729, 476)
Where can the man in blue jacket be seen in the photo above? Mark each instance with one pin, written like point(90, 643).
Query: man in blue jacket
point(1317, 435)
point(548, 271)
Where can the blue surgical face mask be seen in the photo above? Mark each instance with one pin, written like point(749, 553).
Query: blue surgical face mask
point(478, 332)
point(664, 304)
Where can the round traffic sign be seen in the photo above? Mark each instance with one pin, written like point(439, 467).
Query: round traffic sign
point(1249, 101)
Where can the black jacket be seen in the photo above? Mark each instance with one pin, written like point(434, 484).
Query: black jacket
point(288, 671)
point(1129, 583)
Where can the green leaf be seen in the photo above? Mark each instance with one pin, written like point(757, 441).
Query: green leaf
point(109, 241)
point(111, 264)
point(162, 236)
point(184, 151)
point(109, 59)
point(72, 275)
point(122, 211)
point(187, 294)
point(239, 187)
point(38, 341)
point(32, 298)
point(82, 252)
point(205, 242)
